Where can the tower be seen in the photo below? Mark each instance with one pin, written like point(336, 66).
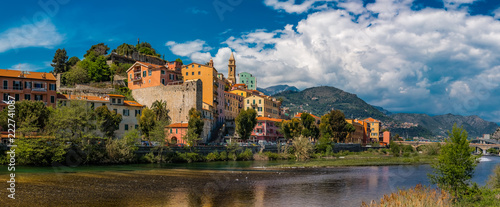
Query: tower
point(211, 63)
point(231, 73)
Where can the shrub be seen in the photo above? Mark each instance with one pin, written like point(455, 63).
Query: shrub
point(212, 156)
point(431, 149)
point(232, 156)
point(395, 149)
point(223, 156)
point(419, 196)
point(302, 148)
point(494, 181)
point(246, 155)
point(272, 156)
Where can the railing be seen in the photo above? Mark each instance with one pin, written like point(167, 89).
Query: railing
point(137, 78)
point(39, 89)
point(12, 88)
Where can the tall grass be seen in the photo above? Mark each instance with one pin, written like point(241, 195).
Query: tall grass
point(420, 196)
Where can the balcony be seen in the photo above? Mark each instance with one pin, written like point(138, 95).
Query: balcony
point(137, 78)
point(39, 89)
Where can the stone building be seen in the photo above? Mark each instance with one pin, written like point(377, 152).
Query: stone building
point(231, 73)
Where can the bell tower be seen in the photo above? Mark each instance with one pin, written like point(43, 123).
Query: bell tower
point(211, 63)
point(231, 73)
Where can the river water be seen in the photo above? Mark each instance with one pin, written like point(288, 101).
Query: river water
point(216, 184)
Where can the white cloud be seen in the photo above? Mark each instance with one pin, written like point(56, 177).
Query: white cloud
point(402, 60)
point(26, 67)
point(196, 50)
point(496, 13)
point(40, 34)
point(454, 4)
point(290, 6)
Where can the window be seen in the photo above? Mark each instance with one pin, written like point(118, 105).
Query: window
point(241, 94)
point(116, 111)
point(126, 112)
point(5, 84)
point(17, 85)
point(251, 82)
point(192, 66)
point(136, 126)
point(170, 130)
point(38, 85)
point(6, 97)
point(254, 101)
point(27, 97)
point(119, 101)
point(52, 87)
point(162, 72)
point(137, 112)
point(103, 104)
point(163, 81)
point(126, 127)
point(131, 76)
point(260, 108)
point(150, 72)
point(16, 97)
point(143, 73)
point(199, 73)
point(113, 100)
point(27, 84)
point(259, 102)
point(192, 73)
point(187, 73)
point(92, 106)
point(199, 66)
point(52, 99)
point(248, 101)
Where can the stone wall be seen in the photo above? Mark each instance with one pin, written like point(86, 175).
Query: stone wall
point(132, 58)
point(180, 98)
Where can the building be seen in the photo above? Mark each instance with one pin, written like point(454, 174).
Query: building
point(231, 70)
point(208, 77)
point(130, 110)
point(232, 106)
point(318, 119)
point(266, 129)
point(386, 137)
point(174, 66)
point(144, 75)
point(242, 92)
point(358, 136)
point(265, 106)
point(374, 126)
point(25, 85)
point(176, 133)
point(248, 79)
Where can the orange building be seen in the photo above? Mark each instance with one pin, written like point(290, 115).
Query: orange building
point(365, 129)
point(208, 77)
point(386, 137)
point(24, 85)
point(143, 75)
point(175, 66)
point(318, 120)
point(374, 126)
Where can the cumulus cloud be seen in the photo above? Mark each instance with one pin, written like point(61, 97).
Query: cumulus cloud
point(454, 4)
point(496, 13)
point(26, 67)
point(400, 59)
point(291, 7)
point(40, 34)
point(196, 50)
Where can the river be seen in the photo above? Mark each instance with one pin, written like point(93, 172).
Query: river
point(216, 184)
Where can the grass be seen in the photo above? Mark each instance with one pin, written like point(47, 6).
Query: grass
point(420, 196)
point(362, 159)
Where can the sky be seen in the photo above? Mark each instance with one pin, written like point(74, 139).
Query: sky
point(407, 56)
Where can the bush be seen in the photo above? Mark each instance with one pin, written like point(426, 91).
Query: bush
point(395, 149)
point(245, 155)
point(431, 149)
point(494, 181)
point(419, 196)
point(272, 156)
point(232, 156)
point(212, 156)
point(383, 151)
point(223, 156)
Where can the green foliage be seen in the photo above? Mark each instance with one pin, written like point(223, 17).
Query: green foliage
point(120, 68)
point(97, 68)
point(245, 155)
point(195, 127)
point(125, 49)
point(146, 49)
point(302, 148)
point(395, 148)
point(494, 151)
point(72, 62)
point(59, 61)
point(122, 150)
point(494, 180)
point(39, 152)
point(159, 107)
point(179, 60)
point(223, 155)
point(272, 155)
point(147, 121)
point(455, 165)
point(107, 121)
point(323, 144)
point(291, 128)
point(333, 125)
point(71, 121)
point(76, 75)
point(245, 123)
point(31, 116)
point(213, 156)
point(431, 149)
point(98, 50)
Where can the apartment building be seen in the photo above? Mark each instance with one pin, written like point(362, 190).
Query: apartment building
point(265, 106)
point(26, 85)
point(266, 129)
point(143, 75)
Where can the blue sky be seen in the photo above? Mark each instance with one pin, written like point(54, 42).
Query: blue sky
point(416, 56)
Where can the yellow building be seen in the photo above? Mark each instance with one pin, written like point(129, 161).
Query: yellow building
point(232, 106)
point(241, 92)
point(265, 106)
point(208, 77)
point(374, 126)
point(358, 136)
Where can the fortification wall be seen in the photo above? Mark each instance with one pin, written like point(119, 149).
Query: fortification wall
point(180, 98)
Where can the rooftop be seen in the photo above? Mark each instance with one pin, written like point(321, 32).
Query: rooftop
point(26, 74)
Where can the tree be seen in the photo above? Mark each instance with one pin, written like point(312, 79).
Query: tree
point(159, 107)
point(71, 121)
point(147, 121)
point(245, 123)
point(107, 121)
point(72, 61)
point(125, 49)
point(455, 165)
point(291, 128)
point(310, 129)
point(123, 150)
point(97, 50)
point(179, 61)
point(76, 75)
point(350, 129)
point(333, 125)
point(59, 61)
point(96, 66)
point(195, 127)
point(146, 49)
point(302, 147)
point(31, 116)
point(159, 135)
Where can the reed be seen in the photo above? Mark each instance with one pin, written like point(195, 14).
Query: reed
point(420, 196)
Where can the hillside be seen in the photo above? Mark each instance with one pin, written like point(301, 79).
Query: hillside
point(320, 100)
point(277, 89)
point(440, 124)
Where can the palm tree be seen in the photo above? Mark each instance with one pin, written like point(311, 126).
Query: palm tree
point(159, 107)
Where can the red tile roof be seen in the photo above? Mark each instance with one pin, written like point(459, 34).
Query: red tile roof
point(300, 114)
point(31, 75)
point(178, 125)
point(268, 119)
point(132, 103)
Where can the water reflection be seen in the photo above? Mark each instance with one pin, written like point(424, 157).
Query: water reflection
point(223, 184)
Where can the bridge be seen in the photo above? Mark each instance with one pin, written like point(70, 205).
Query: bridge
point(479, 144)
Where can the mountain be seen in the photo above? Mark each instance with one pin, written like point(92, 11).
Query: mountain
point(440, 124)
point(321, 100)
point(277, 89)
point(386, 112)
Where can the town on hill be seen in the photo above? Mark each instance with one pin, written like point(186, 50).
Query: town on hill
point(133, 87)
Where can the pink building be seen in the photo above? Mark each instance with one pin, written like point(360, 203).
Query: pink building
point(176, 132)
point(386, 137)
point(266, 129)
